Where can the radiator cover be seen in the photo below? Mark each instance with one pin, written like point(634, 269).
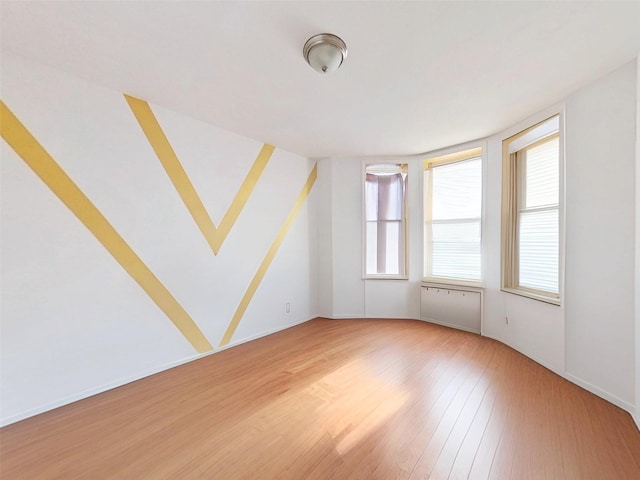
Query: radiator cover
point(452, 306)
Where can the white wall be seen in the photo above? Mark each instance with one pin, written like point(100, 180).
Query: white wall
point(354, 297)
point(637, 279)
point(325, 244)
point(73, 321)
point(346, 226)
point(600, 143)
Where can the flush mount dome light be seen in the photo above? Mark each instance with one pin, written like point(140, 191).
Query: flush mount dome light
point(325, 52)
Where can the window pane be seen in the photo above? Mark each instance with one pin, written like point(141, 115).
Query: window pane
point(385, 190)
point(539, 247)
point(371, 248)
point(456, 250)
point(453, 233)
point(542, 176)
point(457, 190)
point(385, 248)
point(388, 261)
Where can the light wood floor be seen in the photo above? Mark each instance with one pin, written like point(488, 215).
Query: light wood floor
point(336, 399)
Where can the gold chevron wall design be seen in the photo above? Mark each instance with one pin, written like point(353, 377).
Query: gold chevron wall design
point(271, 253)
point(47, 169)
point(215, 236)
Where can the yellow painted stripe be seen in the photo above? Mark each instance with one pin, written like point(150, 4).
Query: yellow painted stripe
point(271, 253)
point(215, 236)
point(45, 167)
point(240, 199)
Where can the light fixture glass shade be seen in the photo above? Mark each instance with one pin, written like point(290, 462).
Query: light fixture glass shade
point(325, 52)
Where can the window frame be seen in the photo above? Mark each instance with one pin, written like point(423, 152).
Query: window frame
point(457, 154)
point(404, 220)
point(509, 245)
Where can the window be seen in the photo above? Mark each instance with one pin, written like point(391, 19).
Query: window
point(385, 191)
point(453, 217)
point(531, 212)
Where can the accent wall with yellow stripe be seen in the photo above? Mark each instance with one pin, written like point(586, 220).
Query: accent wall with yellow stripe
point(135, 238)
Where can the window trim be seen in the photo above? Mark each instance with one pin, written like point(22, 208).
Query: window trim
point(456, 154)
point(509, 271)
point(405, 221)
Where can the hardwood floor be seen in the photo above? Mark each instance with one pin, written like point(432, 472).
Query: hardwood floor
point(336, 399)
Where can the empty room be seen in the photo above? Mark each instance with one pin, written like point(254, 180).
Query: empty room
point(320, 240)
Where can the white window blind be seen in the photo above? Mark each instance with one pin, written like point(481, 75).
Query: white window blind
point(385, 229)
point(453, 216)
point(538, 218)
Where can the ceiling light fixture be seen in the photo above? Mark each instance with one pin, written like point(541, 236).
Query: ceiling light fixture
point(325, 52)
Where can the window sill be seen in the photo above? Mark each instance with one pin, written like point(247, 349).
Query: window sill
point(431, 281)
point(533, 296)
point(385, 277)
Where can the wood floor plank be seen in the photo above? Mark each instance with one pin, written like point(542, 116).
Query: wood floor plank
point(451, 449)
point(336, 399)
point(505, 390)
point(461, 468)
point(433, 368)
point(432, 449)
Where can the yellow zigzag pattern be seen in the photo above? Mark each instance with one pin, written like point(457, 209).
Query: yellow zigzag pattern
point(268, 258)
point(215, 236)
point(45, 167)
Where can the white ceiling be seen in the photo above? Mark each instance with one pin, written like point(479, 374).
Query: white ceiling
point(419, 75)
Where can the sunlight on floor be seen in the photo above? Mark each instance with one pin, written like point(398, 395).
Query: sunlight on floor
point(375, 403)
point(393, 403)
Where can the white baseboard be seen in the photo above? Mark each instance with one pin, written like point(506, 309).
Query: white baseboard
point(580, 382)
point(100, 389)
point(123, 381)
point(601, 393)
point(348, 316)
point(263, 334)
point(544, 363)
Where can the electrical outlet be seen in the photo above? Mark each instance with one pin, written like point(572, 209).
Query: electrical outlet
point(287, 307)
point(506, 320)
